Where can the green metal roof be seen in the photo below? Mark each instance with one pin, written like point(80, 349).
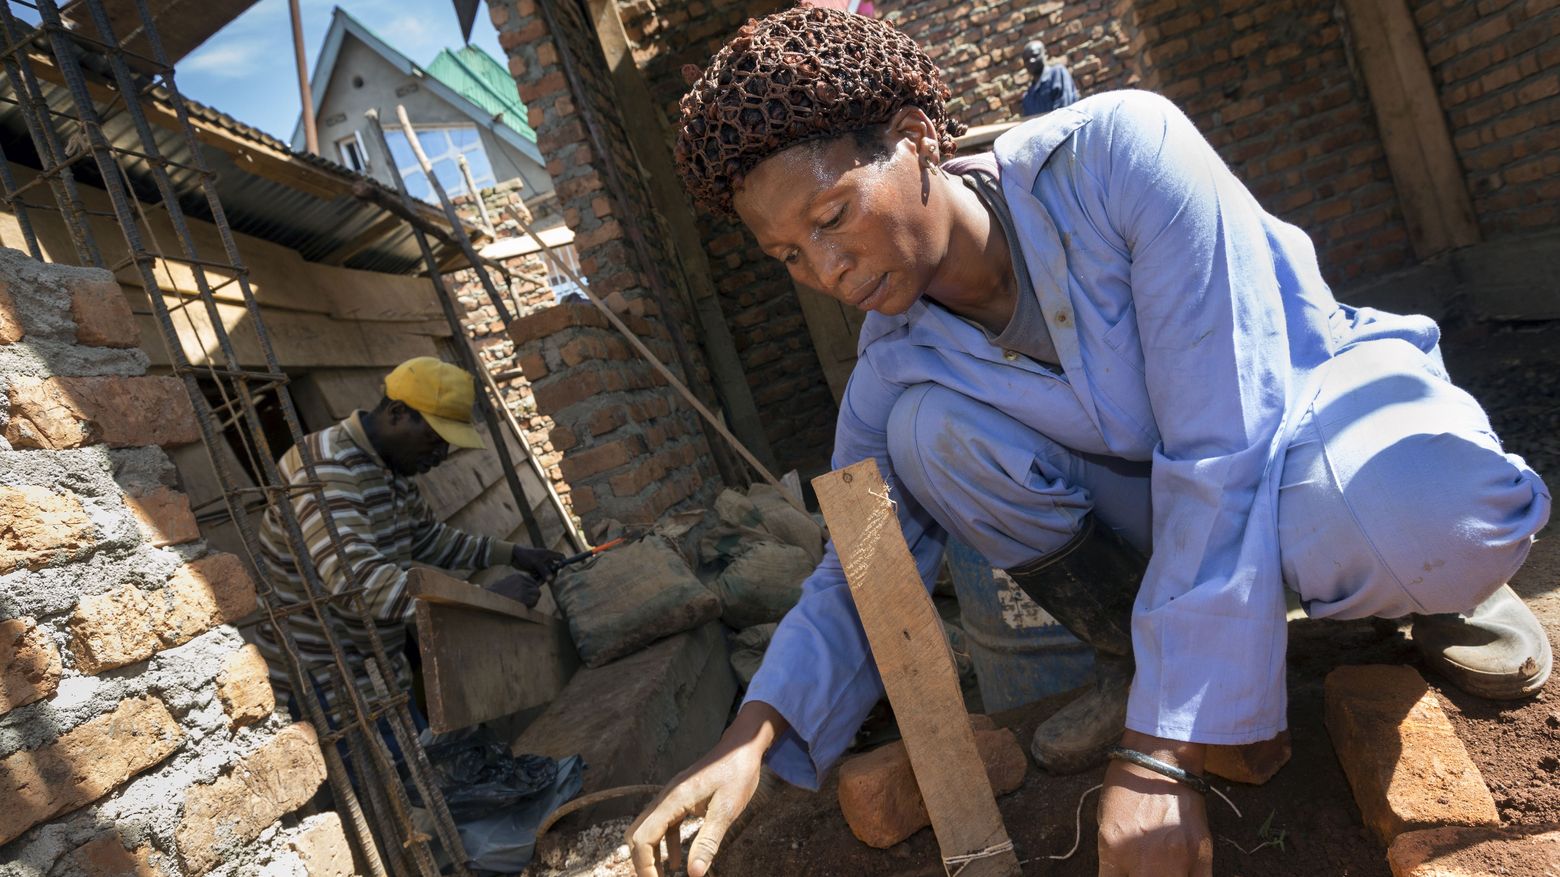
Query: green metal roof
point(477, 77)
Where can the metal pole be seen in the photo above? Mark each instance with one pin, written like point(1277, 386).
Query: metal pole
point(311, 133)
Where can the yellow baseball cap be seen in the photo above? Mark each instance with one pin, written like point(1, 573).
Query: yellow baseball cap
point(441, 393)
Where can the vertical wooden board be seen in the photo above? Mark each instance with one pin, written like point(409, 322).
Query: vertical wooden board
point(1431, 187)
point(913, 657)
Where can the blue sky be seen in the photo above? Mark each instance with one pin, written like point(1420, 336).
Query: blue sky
point(247, 69)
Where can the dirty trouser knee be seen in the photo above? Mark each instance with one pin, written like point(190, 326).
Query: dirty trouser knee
point(1396, 496)
point(1019, 495)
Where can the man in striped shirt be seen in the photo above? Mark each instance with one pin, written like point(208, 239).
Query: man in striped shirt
point(364, 466)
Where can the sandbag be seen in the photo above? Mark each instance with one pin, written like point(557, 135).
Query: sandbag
point(762, 583)
point(786, 522)
point(630, 597)
point(747, 650)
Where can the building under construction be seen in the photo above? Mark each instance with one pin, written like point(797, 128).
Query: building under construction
point(183, 298)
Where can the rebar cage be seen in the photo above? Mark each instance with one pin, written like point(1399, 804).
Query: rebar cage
point(67, 82)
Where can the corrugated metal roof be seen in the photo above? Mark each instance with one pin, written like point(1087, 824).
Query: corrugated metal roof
point(476, 76)
point(304, 202)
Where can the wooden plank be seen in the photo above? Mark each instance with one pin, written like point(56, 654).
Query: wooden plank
point(913, 657)
point(369, 295)
point(300, 340)
point(1430, 184)
point(485, 656)
point(278, 276)
point(468, 474)
point(433, 586)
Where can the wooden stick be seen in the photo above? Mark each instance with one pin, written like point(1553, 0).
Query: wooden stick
point(916, 663)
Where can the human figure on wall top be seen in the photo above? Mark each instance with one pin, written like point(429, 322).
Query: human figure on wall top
point(1052, 87)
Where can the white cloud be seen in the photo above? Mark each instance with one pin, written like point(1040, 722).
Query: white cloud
point(230, 58)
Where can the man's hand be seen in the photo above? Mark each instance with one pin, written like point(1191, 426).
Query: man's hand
point(520, 586)
point(717, 786)
point(1151, 824)
point(536, 561)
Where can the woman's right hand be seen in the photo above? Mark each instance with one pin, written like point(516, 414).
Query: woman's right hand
point(717, 786)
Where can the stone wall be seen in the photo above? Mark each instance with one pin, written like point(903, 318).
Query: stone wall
point(138, 732)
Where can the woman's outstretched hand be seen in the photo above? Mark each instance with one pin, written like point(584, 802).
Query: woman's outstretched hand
point(1151, 824)
point(717, 787)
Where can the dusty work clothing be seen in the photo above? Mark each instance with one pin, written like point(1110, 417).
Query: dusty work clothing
point(1213, 403)
point(384, 525)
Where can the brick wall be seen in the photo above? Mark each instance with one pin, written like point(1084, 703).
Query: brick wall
point(138, 732)
point(1270, 83)
point(1497, 68)
point(979, 47)
point(628, 449)
point(662, 433)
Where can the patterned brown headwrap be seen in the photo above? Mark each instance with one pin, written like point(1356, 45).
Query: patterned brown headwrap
point(803, 74)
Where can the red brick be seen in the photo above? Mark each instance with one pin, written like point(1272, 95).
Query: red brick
point(581, 465)
point(39, 527)
point(637, 478)
point(106, 856)
point(1455, 851)
point(1404, 762)
point(11, 330)
point(583, 500)
point(164, 516)
point(102, 314)
point(244, 687)
point(550, 321)
point(606, 419)
point(122, 412)
point(534, 365)
point(266, 785)
point(882, 803)
point(29, 663)
point(84, 764)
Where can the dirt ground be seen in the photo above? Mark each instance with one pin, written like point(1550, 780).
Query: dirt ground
point(1303, 822)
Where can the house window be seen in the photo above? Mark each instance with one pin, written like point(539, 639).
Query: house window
point(443, 145)
point(562, 285)
point(352, 153)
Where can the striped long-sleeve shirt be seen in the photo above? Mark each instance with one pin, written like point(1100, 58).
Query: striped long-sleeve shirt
point(383, 523)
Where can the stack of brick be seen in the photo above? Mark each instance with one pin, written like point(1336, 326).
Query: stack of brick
point(138, 732)
point(631, 451)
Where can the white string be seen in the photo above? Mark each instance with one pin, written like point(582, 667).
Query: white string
point(1077, 825)
point(964, 860)
point(1078, 822)
point(886, 498)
